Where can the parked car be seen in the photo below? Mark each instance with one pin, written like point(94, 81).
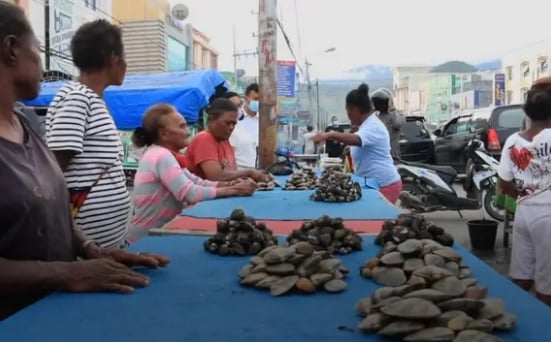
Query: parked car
point(416, 144)
point(491, 125)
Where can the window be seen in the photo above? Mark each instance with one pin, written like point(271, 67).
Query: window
point(509, 73)
point(90, 4)
point(509, 96)
point(524, 70)
point(543, 66)
point(524, 92)
point(510, 118)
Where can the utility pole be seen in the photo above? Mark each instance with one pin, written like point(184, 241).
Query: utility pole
point(267, 63)
point(47, 34)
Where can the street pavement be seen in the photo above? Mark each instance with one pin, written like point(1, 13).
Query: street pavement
point(498, 259)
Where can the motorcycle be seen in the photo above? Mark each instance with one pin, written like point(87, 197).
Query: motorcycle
point(482, 175)
point(428, 188)
point(285, 164)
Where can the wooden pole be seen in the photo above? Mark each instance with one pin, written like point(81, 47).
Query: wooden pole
point(267, 62)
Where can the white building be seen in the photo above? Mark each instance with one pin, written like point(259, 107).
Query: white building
point(64, 16)
point(410, 88)
point(524, 66)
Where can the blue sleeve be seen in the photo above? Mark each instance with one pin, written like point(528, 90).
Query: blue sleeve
point(367, 135)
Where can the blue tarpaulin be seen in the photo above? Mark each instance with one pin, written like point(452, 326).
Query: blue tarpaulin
point(188, 91)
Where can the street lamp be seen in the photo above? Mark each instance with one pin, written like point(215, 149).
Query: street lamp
point(308, 65)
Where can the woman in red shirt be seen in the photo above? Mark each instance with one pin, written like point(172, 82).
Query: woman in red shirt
point(210, 155)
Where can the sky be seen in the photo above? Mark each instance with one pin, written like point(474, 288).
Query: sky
point(390, 32)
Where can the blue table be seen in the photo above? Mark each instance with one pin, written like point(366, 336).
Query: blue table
point(198, 298)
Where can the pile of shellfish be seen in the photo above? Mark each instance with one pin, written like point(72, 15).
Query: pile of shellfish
point(297, 268)
point(239, 235)
point(267, 186)
point(336, 186)
point(429, 294)
point(412, 226)
point(327, 234)
point(303, 179)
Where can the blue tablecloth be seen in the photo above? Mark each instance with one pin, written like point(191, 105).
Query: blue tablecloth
point(198, 298)
point(295, 206)
point(286, 205)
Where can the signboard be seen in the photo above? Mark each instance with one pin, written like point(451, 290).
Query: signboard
point(173, 22)
point(61, 31)
point(499, 89)
point(286, 75)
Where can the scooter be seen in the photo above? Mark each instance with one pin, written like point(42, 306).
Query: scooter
point(285, 164)
point(483, 175)
point(428, 188)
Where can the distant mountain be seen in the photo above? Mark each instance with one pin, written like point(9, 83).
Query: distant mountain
point(494, 64)
point(454, 67)
point(379, 72)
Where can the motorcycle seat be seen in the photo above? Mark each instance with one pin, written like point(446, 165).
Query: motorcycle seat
point(446, 172)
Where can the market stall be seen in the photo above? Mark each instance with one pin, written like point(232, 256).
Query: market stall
point(198, 298)
point(285, 210)
point(188, 91)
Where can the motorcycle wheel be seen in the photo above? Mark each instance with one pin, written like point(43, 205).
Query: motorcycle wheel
point(488, 197)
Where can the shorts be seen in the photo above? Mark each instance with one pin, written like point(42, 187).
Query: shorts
point(531, 252)
point(392, 191)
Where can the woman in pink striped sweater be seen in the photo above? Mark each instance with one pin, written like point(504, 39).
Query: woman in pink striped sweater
point(163, 186)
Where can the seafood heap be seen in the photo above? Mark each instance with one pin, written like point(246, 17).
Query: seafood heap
point(297, 267)
point(412, 226)
point(335, 186)
point(239, 235)
point(327, 234)
point(267, 186)
point(429, 295)
point(303, 179)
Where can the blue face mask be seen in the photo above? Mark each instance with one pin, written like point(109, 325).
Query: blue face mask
point(254, 106)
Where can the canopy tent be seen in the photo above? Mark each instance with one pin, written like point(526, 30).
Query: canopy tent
point(188, 91)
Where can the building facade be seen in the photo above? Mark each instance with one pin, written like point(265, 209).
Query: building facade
point(410, 86)
point(154, 41)
point(64, 16)
point(204, 55)
point(524, 66)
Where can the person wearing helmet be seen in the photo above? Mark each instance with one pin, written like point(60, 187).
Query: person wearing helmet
point(382, 101)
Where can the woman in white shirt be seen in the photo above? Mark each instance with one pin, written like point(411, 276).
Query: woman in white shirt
point(525, 174)
point(243, 143)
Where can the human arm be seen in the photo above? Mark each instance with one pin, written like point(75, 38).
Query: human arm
point(348, 139)
point(505, 171)
point(66, 127)
point(396, 120)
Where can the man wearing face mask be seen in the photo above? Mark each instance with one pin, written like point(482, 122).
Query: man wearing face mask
point(244, 138)
point(334, 148)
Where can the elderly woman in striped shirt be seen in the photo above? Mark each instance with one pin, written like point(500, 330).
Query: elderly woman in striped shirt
point(163, 186)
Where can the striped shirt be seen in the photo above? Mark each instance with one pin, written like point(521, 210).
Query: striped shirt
point(162, 189)
point(78, 120)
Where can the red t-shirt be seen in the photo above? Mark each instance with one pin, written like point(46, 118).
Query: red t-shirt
point(205, 147)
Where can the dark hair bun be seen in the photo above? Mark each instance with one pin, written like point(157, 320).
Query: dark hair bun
point(363, 89)
point(139, 138)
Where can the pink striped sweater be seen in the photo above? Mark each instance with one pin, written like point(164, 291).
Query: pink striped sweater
point(162, 189)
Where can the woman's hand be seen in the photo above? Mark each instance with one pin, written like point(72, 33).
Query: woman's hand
point(102, 275)
point(320, 137)
point(346, 150)
point(244, 189)
point(259, 176)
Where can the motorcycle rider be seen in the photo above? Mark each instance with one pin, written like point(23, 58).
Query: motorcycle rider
point(382, 100)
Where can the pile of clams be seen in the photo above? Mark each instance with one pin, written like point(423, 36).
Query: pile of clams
point(412, 226)
point(303, 179)
point(327, 234)
point(336, 186)
point(239, 235)
point(267, 186)
point(429, 295)
point(297, 268)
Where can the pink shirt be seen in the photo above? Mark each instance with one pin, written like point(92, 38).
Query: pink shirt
point(162, 189)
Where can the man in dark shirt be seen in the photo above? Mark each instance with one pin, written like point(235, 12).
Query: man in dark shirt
point(334, 148)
